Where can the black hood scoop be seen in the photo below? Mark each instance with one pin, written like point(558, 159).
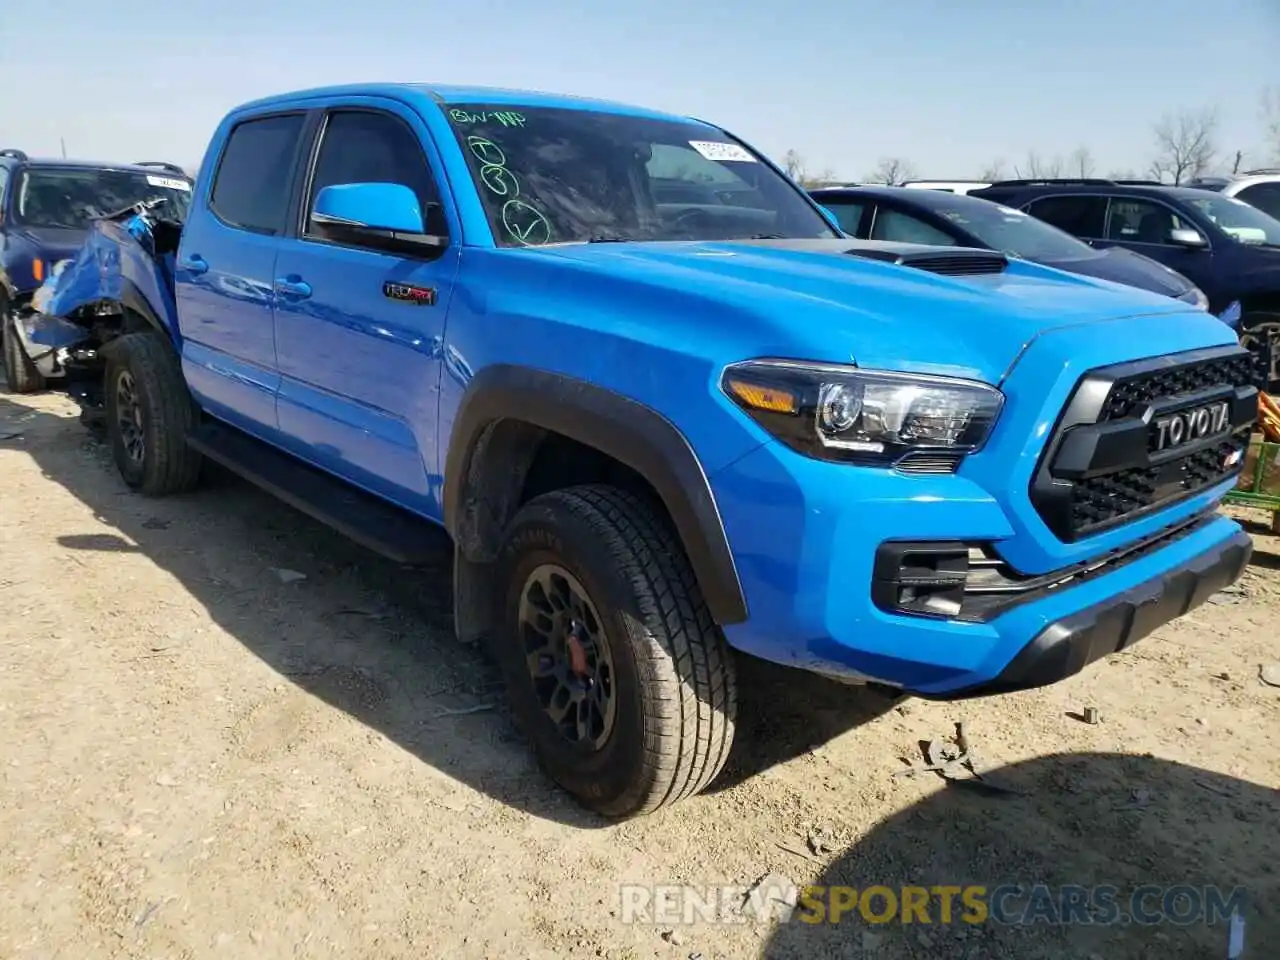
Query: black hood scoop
point(949, 263)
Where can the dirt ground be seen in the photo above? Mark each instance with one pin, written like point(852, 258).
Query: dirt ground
point(205, 755)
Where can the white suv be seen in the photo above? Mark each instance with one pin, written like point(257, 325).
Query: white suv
point(1258, 188)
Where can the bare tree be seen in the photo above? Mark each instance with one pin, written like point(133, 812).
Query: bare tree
point(1081, 163)
point(823, 178)
point(1036, 167)
point(1186, 145)
point(793, 164)
point(993, 171)
point(894, 171)
point(1124, 174)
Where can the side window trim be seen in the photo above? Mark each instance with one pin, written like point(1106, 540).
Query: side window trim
point(290, 180)
point(302, 214)
point(5, 178)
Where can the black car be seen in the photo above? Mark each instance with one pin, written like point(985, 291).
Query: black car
point(938, 217)
point(1226, 247)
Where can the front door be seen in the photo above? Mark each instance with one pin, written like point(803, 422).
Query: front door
point(360, 360)
point(1145, 227)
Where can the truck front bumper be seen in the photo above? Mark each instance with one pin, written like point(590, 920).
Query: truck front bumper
point(1069, 644)
point(809, 541)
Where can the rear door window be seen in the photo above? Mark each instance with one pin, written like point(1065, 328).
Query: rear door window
point(251, 185)
point(1083, 217)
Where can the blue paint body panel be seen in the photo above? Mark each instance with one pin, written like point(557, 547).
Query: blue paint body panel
point(370, 389)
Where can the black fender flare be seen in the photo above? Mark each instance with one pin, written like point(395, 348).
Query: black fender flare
point(629, 432)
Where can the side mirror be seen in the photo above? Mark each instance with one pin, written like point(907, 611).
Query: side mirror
point(373, 212)
point(1187, 237)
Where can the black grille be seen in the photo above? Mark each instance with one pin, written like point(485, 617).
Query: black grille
point(1100, 501)
point(1130, 396)
point(1104, 465)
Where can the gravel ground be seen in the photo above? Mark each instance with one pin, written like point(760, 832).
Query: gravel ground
point(207, 755)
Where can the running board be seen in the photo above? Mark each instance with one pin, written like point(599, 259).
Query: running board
point(383, 528)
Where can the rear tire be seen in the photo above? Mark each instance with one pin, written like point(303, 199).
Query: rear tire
point(645, 637)
point(149, 413)
point(20, 372)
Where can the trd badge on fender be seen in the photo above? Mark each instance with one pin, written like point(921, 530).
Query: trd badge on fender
point(1186, 426)
point(407, 293)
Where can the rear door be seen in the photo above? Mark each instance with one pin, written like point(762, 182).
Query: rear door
point(360, 365)
point(225, 268)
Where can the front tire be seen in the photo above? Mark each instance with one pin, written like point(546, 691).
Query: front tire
point(149, 413)
point(615, 669)
point(20, 372)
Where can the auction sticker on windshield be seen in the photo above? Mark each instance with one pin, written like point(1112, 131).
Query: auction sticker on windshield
point(713, 150)
point(172, 183)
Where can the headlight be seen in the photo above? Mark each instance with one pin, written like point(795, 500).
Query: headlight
point(1196, 297)
point(834, 412)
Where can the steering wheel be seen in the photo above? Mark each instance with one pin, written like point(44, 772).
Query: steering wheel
point(691, 220)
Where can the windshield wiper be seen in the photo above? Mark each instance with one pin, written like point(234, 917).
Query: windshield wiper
point(610, 239)
point(767, 236)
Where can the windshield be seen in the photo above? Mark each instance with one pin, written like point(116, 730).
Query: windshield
point(1242, 221)
point(555, 175)
point(69, 197)
point(1012, 232)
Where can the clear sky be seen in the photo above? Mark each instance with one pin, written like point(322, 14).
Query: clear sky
point(949, 84)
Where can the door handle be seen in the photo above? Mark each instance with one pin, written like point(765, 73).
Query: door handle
point(195, 264)
point(293, 287)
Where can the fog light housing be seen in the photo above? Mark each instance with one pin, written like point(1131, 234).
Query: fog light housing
point(921, 579)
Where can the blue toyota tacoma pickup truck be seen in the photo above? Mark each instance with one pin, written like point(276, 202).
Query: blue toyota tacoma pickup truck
point(664, 409)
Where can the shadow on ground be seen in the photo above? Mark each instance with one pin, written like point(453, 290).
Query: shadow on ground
point(370, 637)
point(1082, 820)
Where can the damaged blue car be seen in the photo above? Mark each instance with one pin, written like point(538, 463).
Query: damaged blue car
point(124, 266)
point(48, 209)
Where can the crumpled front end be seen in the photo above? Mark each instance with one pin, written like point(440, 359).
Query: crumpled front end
point(125, 264)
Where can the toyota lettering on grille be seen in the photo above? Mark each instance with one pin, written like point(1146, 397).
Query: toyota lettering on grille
point(1187, 426)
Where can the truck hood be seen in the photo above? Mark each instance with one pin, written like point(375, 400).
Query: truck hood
point(957, 311)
